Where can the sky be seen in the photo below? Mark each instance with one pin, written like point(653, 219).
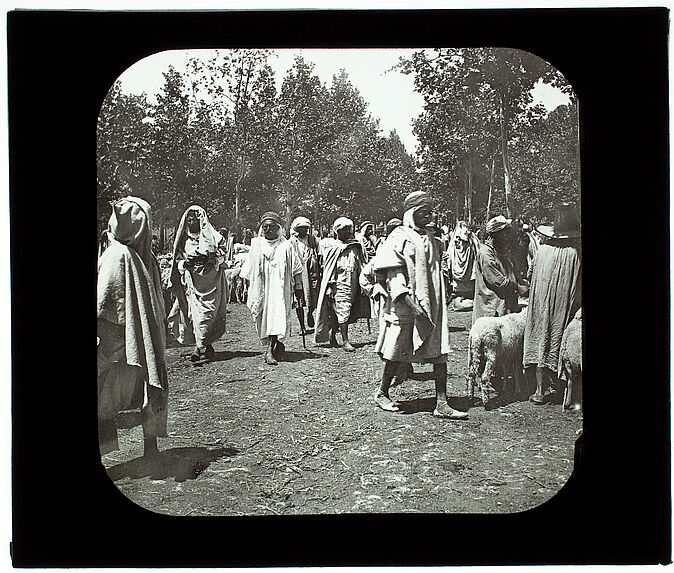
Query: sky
point(390, 94)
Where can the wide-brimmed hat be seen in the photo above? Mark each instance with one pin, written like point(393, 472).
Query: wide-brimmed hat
point(497, 224)
point(565, 225)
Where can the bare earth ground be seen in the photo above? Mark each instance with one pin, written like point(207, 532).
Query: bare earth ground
point(304, 437)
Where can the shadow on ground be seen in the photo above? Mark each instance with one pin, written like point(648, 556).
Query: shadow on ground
point(428, 404)
point(179, 463)
point(291, 356)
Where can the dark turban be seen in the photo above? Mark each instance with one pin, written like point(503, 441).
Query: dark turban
point(271, 216)
point(417, 199)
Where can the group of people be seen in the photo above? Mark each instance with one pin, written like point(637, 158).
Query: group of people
point(400, 279)
point(552, 284)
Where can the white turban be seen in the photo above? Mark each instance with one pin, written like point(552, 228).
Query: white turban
point(342, 223)
point(300, 222)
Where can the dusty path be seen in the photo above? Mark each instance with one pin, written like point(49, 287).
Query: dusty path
point(305, 437)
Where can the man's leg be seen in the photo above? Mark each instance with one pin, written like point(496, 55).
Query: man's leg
point(344, 329)
point(442, 408)
point(381, 397)
point(539, 397)
point(269, 356)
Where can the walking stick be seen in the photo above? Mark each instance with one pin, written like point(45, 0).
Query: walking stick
point(300, 317)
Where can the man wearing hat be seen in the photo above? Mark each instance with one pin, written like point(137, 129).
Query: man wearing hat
point(415, 326)
point(554, 298)
point(274, 271)
point(340, 300)
point(306, 246)
point(496, 288)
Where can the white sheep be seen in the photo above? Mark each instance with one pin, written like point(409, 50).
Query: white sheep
point(571, 361)
point(495, 349)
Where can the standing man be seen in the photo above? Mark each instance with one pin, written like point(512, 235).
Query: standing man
point(306, 247)
point(199, 283)
point(131, 329)
point(415, 315)
point(496, 288)
point(555, 297)
point(274, 272)
point(461, 257)
point(340, 301)
point(367, 239)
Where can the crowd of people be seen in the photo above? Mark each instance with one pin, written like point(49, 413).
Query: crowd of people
point(407, 275)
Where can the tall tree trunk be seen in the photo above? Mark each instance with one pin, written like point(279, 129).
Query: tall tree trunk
point(317, 198)
point(465, 196)
point(457, 214)
point(504, 153)
point(469, 201)
point(491, 187)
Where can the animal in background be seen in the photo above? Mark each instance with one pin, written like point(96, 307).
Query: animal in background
point(495, 349)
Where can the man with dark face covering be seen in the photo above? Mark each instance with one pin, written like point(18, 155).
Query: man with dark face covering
point(415, 327)
point(274, 272)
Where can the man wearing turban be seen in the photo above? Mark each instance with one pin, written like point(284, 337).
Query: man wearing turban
point(131, 328)
point(340, 300)
point(496, 288)
point(368, 239)
point(274, 272)
point(415, 327)
point(306, 247)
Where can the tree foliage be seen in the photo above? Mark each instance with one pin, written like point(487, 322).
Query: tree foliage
point(220, 135)
point(478, 119)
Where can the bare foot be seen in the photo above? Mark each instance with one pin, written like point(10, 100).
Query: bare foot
point(269, 359)
point(385, 403)
point(443, 410)
point(348, 347)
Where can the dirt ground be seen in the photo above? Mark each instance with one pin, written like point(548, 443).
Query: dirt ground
point(304, 437)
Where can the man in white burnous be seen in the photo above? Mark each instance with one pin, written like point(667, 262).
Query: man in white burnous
point(274, 273)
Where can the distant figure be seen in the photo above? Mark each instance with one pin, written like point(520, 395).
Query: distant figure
point(274, 273)
point(340, 300)
point(392, 224)
point(496, 288)
point(199, 284)
point(415, 325)
point(554, 299)
point(367, 239)
point(131, 328)
point(156, 249)
point(306, 247)
point(532, 249)
point(228, 245)
point(461, 258)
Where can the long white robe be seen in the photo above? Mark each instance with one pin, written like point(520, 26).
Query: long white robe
point(271, 268)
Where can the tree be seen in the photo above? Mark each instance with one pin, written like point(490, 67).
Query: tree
point(124, 143)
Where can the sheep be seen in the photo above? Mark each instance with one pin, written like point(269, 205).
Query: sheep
point(495, 348)
point(571, 362)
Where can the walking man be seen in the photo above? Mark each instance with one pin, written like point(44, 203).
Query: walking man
point(340, 300)
point(274, 272)
point(415, 316)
